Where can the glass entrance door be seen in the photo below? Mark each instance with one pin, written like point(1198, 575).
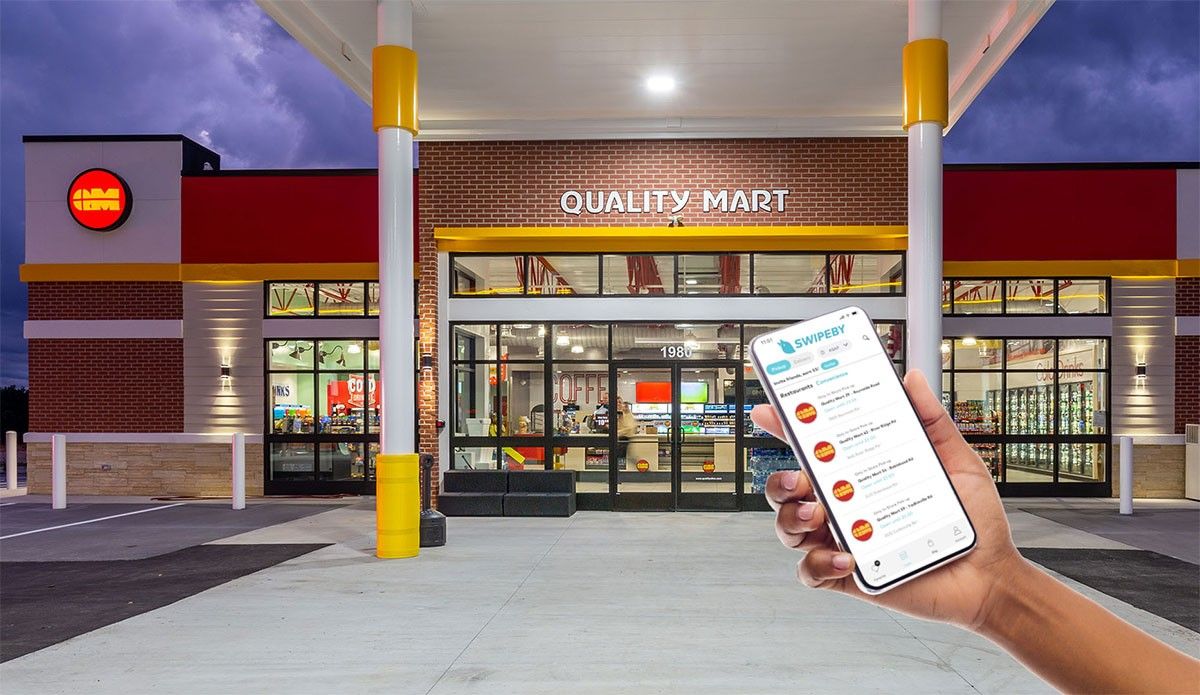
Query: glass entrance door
point(676, 437)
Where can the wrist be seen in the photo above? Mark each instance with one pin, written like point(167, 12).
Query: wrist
point(1009, 600)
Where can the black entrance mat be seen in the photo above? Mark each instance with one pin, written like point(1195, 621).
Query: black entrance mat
point(1156, 583)
point(48, 602)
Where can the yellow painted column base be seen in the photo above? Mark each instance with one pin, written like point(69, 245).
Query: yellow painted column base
point(397, 505)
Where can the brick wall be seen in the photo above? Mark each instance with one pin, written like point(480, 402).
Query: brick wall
point(1187, 297)
point(832, 181)
point(110, 385)
point(1158, 470)
point(105, 300)
point(1187, 356)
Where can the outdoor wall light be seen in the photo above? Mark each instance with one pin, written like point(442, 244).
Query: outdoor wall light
point(426, 362)
point(660, 84)
point(1141, 371)
point(226, 375)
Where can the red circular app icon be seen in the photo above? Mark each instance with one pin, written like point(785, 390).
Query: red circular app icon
point(99, 200)
point(843, 490)
point(806, 412)
point(862, 530)
point(823, 451)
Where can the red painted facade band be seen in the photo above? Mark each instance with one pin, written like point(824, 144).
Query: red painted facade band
point(1083, 214)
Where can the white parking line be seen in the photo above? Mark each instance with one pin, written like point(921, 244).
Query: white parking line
point(90, 521)
point(5, 504)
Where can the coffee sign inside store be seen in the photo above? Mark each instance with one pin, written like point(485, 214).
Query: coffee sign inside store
point(664, 201)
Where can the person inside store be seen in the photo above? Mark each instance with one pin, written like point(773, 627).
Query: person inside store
point(626, 426)
point(1065, 638)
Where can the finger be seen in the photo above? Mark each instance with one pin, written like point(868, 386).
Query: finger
point(949, 443)
point(787, 486)
point(766, 418)
point(797, 520)
point(825, 568)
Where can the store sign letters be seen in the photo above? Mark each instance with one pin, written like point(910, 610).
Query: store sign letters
point(574, 202)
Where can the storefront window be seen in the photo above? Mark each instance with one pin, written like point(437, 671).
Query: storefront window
point(373, 299)
point(522, 341)
point(293, 403)
point(1035, 409)
point(580, 399)
point(786, 273)
point(1032, 296)
point(290, 298)
point(589, 463)
point(475, 342)
point(639, 274)
point(324, 409)
point(727, 273)
point(342, 461)
point(475, 458)
point(866, 273)
point(488, 275)
point(341, 299)
point(977, 297)
point(290, 354)
point(522, 400)
point(1026, 296)
point(564, 275)
point(1076, 296)
point(292, 461)
point(340, 354)
point(580, 341)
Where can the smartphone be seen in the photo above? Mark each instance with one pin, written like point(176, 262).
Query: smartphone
point(854, 431)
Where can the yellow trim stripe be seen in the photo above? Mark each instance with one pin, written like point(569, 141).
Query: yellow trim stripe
point(926, 82)
point(670, 239)
point(394, 88)
point(258, 272)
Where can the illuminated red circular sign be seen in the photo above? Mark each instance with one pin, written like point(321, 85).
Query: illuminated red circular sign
point(99, 200)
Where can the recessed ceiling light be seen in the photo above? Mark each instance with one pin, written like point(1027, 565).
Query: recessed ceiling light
point(562, 341)
point(660, 84)
point(690, 281)
point(577, 349)
point(522, 326)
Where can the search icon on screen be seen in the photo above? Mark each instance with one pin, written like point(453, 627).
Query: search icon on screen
point(866, 337)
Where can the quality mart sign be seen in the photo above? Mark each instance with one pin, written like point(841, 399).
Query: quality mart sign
point(576, 202)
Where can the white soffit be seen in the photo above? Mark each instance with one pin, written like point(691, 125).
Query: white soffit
point(545, 69)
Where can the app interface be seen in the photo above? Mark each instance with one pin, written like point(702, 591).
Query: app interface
point(866, 448)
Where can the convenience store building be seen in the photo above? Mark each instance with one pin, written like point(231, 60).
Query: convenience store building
point(556, 277)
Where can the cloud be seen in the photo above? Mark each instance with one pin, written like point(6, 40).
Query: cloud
point(1094, 81)
point(222, 73)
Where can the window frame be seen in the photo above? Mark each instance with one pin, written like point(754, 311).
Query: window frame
point(366, 301)
point(1004, 281)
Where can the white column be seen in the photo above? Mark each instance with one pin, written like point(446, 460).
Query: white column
point(10, 459)
point(1126, 504)
point(924, 274)
point(58, 471)
point(239, 471)
point(397, 326)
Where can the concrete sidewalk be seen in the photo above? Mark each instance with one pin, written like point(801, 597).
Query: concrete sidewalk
point(597, 603)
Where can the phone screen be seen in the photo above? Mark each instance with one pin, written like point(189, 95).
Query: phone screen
point(853, 429)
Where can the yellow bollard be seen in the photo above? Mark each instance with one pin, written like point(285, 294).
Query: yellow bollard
point(397, 505)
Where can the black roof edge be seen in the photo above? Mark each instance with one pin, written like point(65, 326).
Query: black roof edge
point(188, 143)
point(289, 172)
point(1069, 166)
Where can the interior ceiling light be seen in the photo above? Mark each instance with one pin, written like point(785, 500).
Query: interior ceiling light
point(522, 326)
point(354, 349)
point(541, 331)
point(690, 281)
point(660, 84)
point(968, 341)
point(562, 341)
point(577, 349)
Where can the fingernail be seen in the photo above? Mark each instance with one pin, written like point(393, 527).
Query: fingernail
point(841, 561)
point(788, 480)
point(806, 511)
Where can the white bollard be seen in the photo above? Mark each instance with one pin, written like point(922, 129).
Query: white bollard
point(239, 471)
point(58, 471)
point(10, 458)
point(1126, 475)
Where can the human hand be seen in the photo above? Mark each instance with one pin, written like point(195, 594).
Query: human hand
point(961, 592)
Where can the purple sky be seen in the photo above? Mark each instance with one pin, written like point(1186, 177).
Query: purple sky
point(1095, 81)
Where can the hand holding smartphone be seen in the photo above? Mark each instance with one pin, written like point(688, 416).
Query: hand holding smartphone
point(853, 430)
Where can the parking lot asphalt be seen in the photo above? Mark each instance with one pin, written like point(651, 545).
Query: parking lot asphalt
point(93, 531)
